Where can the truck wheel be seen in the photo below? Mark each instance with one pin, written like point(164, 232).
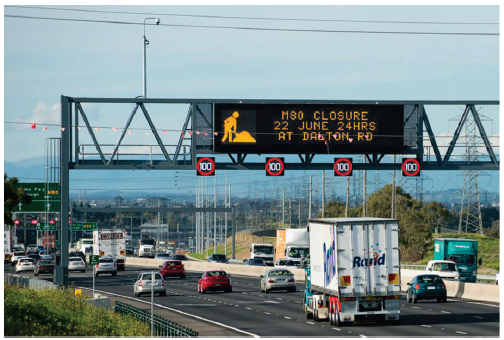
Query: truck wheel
point(331, 317)
point(83, 271)
point(337, 320)
point(114, 274)
point(315, 316)
point(266, 291)
point(163, 294)
point(308, 314)
point(96, 275)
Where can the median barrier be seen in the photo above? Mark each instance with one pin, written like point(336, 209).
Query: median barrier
point(471, 291)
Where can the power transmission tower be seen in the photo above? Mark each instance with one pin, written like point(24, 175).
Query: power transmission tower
point(470, 210)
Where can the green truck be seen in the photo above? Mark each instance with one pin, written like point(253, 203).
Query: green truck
point(463, 252)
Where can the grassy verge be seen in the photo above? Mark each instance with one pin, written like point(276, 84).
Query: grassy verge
point(488, 251)
point(220, 250)
point(60, 313)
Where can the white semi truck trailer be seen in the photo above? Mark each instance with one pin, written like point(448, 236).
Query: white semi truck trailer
point(353, 270)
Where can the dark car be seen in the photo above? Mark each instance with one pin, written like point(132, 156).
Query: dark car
point(35, 257)
point(44, 266)
point(425, 287)
point(255, 262)
point(77, 254)
point(220, 258)
point(180, 257)
point(129, 251)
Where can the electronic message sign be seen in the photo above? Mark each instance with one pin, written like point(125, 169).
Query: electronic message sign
point(309, 128)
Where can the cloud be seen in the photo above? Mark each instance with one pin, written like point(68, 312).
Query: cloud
point(43, 113)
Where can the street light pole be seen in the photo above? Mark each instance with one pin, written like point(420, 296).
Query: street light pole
point(145, 42)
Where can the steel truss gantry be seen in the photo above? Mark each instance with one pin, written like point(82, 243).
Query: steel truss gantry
point(200, 118)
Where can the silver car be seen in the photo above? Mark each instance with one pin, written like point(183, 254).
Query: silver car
point(277, 279)
point(143, 284)
point(76, 264)
point(106, 265)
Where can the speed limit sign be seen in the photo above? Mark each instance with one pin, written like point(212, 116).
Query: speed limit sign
point(343, 166)
point(16, 222)
point(410, 167)
point(275, 166)
point(205, 166)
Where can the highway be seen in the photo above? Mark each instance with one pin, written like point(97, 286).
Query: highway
point(281, 314)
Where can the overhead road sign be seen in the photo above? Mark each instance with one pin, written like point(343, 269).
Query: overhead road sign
point(343, 166)
point(410, 167)
point(309, 128)
point(205, 166)
point(84, 226)
point(275, 166)
point(45, 197)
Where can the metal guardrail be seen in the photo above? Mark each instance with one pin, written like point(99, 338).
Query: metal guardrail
point(481, 278)
point(162, 327)
point(28, 282)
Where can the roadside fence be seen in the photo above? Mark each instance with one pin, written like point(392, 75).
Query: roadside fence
point(28, 282)
point(162, 327)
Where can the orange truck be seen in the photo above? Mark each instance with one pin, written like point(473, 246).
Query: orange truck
point(292, 244)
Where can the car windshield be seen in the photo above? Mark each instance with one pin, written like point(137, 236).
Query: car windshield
point(445, 267)
point(18, 253)
point(429, 279)
point(75, 259)
point(149, 276)
point(298, 252)
point(147, 242)
point(173, 263)
point(463, 259)
point(217, 273)
point(280, 273)
point(42, 263)
point(106, 260)
point(257, 261)
point(26, 260)
point(180, 257)
point(263, 250)
point(219, 257)
point(163, 255)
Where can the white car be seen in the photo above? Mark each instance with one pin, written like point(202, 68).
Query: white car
point(25, 264)
point(447, 270)
point(76, 263)
point(32, 248)
point(106, 265)
point(46, 257)
point(16, 256)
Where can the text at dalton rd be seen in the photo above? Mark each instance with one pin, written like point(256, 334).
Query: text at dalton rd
point(309, 128)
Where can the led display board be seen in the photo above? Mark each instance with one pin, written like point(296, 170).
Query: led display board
point(309, 128)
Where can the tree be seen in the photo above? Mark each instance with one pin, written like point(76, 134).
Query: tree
point(493, 231)
point(12, 197)
point(337, 209)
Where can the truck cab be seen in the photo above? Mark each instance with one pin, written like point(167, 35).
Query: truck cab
point(295, 253)
point(463, 252)
point(447, 270)
point(265, 252)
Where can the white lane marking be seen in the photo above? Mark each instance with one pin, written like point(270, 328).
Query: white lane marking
point(260, 295)
point(430, 308)
point(271, 302)
point(362, 336)
point(445, 312)
point(426, 326)
point(196, 304)
point(248, 308)
point(336, 329)
point(460, 332)
point(311, 323)
point(244, 293)
point(177, 311)
point(483, 304)
point(286, 317)
point(250, 284)
point(415, 307)
point(237, 305)
point(297, 302)
point(267, 313)
point(452, 300)
point(478, 317)
point(278, 298)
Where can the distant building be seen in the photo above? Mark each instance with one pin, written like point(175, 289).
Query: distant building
point(155, 201)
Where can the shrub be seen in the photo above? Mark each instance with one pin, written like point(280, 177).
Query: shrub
point(30, 312)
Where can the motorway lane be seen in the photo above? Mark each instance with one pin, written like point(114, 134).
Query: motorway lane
point(281, 314)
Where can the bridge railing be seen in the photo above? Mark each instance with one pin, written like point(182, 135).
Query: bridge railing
point(162, 327)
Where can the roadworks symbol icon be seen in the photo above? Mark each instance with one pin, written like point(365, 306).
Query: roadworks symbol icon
point(230, 128)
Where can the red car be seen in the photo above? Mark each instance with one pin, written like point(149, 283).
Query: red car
point(172, 268)
point(214, 280)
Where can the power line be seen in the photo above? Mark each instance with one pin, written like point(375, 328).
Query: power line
point(253, 28)
point(258, 18)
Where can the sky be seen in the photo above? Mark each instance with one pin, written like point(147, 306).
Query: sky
point(44, 59)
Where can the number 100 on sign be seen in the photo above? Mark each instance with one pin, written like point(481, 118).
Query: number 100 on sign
point(205, 166)
point(410, 167)
point(343, 166)
point(275, 166)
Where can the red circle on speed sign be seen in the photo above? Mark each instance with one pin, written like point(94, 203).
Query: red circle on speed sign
point(211, 168)
point(410, 161)
point(16, 222)
point(34, 222)
point(343, 161)
point(271, 169)
point(51, 221)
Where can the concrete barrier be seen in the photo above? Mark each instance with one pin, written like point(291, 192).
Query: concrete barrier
point(471, 291)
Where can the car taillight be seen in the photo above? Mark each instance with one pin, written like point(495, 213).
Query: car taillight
point(115, 264)
point(290, 280)
point(271, 281)
point(417, 286)
point(82, 263)
point(443, 285)
point(140, 283)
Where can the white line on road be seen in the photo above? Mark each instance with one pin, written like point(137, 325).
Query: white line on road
point(271, 302)
point(478, 317)
point(426, 326)
point(445, 312)
point(177, 311)
point(196, 304)
point(286, 317)
point(415, 307)
point(336, 329)
point(260, 295)
point(311, 323)
point(250, 284)
point(483, 304)
point(278, 298)
point(460, 332)
point(362, 336)
point(267, 313)
point(248, 308)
